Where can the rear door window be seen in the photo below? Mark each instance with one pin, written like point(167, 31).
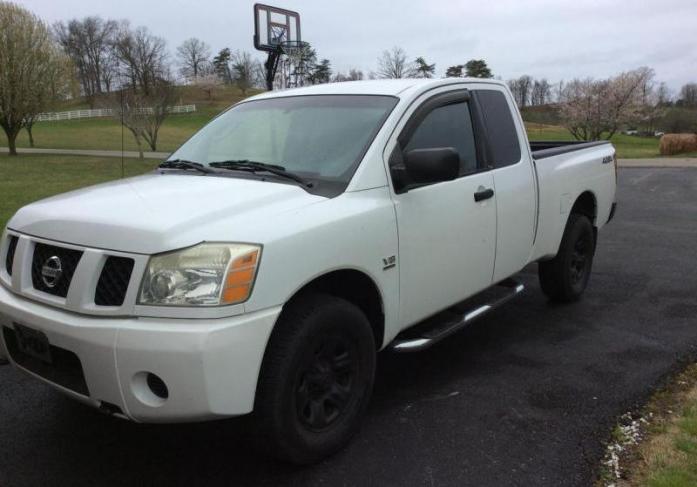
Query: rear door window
point(501, 132)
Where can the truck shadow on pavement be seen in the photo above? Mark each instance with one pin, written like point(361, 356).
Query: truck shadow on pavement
point(413, 393)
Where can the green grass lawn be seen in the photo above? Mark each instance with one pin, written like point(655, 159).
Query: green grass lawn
point(105, 133)
point(628, 146)
point(26, 178)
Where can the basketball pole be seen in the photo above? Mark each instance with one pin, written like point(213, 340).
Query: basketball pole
point(271, 66)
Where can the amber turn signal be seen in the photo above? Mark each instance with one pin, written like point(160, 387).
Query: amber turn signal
point(240, 278)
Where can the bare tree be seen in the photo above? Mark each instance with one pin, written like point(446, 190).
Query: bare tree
point(142, 57)
point(244, 70)
point(520, 88)
point(143, 114)
point(559, 91)
point(147, 94)
point(524, 88)
point(87, 43)
point(688, 95)
point(650, 99)
point(127, 108)
point(595, 109)
point(194, 55)
point(393, 64)
point(160, 100)
point(541, 92)
point(207, 83)
point(355, 74)
point(110, 70)
point(663, 94)
point(352, 75)
point(28, 60)
point(48, 90)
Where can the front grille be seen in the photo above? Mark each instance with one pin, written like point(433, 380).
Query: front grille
point(113, 281)
point(64, 370)
point(9, 259)
point(52, 282)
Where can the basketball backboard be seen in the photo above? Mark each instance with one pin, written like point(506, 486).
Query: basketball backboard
point(275, 26)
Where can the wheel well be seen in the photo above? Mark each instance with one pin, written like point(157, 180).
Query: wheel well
point(355, 287)
point(585, 205)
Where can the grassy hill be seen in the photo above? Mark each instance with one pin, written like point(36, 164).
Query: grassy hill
point(105, 133)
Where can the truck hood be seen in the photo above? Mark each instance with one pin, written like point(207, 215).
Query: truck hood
point(160, 212)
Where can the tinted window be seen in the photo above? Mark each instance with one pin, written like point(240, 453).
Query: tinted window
point(448, 126)
point(503, 138)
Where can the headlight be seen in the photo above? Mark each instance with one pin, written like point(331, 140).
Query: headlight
point(209, 274)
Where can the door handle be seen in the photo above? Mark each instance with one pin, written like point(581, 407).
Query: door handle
point(483, 194)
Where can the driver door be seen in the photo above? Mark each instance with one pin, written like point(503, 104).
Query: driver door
point(447, 230)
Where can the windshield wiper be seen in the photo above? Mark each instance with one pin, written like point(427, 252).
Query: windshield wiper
point(253, 166)
point(184, 164)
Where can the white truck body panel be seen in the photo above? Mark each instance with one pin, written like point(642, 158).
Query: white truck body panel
point(446, 247)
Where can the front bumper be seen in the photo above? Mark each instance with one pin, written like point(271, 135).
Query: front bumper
point(210, 367)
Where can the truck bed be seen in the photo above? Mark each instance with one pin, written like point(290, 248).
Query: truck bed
point(541, 149)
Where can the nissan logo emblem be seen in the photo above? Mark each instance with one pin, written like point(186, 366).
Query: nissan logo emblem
point(52, 271)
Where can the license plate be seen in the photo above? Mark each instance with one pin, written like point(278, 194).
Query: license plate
point(33, 343)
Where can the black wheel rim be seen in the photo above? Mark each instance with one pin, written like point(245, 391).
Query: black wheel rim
point(325, 385)
point(580, 257)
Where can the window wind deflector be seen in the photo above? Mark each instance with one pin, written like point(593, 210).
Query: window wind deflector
point(436, 101)
point(184, 164)
point(253, 166)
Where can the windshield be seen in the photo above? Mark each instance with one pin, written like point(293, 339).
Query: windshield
point(321, 137)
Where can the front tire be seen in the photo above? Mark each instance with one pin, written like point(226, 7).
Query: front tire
point(316, 379)
point(565, 277)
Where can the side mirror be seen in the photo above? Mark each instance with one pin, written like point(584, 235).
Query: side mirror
point(426, 166)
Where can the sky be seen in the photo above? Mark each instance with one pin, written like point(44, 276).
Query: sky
point(554, 39)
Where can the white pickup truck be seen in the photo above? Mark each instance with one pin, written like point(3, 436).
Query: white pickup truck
point(262, 266)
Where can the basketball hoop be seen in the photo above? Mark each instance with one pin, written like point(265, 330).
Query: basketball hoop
point(277, 32)
point(293, 48)
point(274, 26)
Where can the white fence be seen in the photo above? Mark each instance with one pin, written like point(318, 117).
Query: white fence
point(101, 112)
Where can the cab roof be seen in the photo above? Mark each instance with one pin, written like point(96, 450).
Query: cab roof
point(389, 87)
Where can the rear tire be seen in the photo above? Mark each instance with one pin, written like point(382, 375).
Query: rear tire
point(565, 277)
point(316, 379)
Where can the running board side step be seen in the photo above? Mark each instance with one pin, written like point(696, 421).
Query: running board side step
point(434, 329)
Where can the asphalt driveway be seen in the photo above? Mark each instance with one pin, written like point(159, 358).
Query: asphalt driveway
point(524, 397)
